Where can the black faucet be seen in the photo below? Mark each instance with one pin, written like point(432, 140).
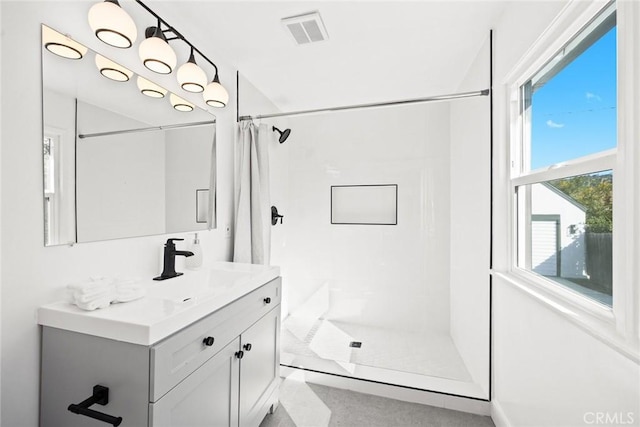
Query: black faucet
point(170, 252)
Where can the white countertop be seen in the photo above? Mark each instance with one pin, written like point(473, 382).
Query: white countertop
point(169, 305)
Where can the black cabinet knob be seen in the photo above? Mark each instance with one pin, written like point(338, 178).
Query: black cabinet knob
point(208, 341)
point(247, 347)
point(267, 300)
point(240, 354)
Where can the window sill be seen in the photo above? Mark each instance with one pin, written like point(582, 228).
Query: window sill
point(599, 325)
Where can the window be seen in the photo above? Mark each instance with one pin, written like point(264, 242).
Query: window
point(564, 164)
point(50, 150)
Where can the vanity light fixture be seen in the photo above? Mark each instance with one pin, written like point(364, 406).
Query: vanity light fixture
point(191, 79)
point(61, 45)
point(150, 89)
point(112, 24)
point(155, 52)
point(112, 70)
point(180, 104)
point(190, 76)
point(215, 95)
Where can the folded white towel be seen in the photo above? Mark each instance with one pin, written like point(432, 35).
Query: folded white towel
point(94, 304)
point(99, 292)
point(92, 288)
point(96, 295)
point(84, 287)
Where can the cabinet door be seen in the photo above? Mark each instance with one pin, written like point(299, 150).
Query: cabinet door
point(207, 397)
point(260, 368)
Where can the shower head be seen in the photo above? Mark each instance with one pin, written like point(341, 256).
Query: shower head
point(284, 134)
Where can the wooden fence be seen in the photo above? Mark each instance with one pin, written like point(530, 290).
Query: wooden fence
point(599, 260)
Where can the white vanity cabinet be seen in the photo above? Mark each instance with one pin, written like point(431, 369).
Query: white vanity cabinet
point(221, 370)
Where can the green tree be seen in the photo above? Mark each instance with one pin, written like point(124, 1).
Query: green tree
point(595, 193)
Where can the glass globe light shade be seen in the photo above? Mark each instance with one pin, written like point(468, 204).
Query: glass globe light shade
point(150, 89)
point(157, 55)
point(215, 95)
point(112, 24)
point(191, 77)
point(180, 104)
point(112, 70)
point(61, 45)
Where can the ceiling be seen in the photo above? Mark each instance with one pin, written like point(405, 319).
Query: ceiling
point(377, 50)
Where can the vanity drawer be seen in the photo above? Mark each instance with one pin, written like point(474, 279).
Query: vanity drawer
point(173, 359)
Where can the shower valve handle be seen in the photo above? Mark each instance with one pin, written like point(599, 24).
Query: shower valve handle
point(275, 216)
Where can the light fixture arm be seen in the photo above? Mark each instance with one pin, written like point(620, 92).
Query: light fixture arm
point(177, 35)
point(192, 58)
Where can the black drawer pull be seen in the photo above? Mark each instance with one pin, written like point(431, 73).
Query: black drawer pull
point(208, 341)
point(240, 354)
point(100, 396)
point(247, 347)
point(267, 300)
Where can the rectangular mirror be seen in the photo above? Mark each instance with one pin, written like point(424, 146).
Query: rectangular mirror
point(117, 163)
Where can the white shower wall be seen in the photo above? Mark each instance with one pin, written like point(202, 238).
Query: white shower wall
point(394, 277)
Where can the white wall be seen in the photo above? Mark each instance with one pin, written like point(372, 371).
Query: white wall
point(391, 276)
point(33, 275)
point(469, 235)
point(547, 371)
point(252, 101)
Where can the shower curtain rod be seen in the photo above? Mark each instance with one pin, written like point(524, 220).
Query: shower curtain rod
point(483, 92)
point(167, 127)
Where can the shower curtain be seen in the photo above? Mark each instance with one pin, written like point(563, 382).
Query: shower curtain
point(252, 241)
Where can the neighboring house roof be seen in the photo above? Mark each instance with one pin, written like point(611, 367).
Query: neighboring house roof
point(565, 196)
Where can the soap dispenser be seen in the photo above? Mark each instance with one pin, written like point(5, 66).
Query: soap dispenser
point(194, 262)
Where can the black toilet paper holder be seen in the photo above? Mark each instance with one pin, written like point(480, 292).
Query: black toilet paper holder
point(100, 396)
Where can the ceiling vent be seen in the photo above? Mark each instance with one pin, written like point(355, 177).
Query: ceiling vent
point(307, 28)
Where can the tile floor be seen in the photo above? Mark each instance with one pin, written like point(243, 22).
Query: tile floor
point(311, 405)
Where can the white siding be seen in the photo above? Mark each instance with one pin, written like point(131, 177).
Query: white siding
point(546, 201)
point(544, 247)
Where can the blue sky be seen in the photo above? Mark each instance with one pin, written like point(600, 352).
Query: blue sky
point(574, 114)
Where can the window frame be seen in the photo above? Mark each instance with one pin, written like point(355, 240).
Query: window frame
point(51, 199)
point(619, 326)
